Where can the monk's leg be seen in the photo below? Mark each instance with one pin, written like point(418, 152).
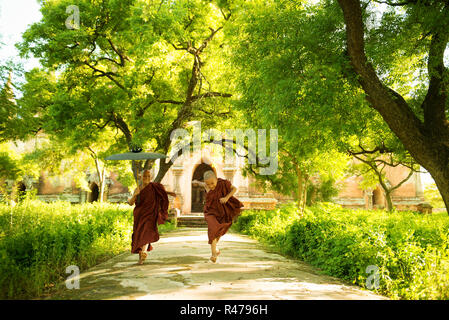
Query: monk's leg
point(143, 253)
point(213, 247)
point(217, 250)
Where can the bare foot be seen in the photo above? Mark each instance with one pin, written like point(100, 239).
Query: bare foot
point(214, 257)
point(142, 257)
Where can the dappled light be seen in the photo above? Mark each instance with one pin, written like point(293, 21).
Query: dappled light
point(179, 269)
point(224, 149)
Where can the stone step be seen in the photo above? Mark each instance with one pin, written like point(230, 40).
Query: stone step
point(192, 221)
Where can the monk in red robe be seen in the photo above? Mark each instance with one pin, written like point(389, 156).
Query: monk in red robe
point(151, 209)
point(220, 210)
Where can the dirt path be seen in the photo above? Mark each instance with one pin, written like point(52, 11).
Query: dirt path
point(178, 268)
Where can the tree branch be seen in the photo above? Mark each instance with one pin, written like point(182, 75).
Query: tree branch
point(402, 182)
point(397, 4)
point(121, 55)
point(103, 125)
point(434, 104)
point(210, 94)
point(109, 75)
point(121, 124)
point(170, 101)
point(206, 42)
point(392, 106)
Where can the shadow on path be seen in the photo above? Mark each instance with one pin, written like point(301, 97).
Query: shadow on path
point(179, 268)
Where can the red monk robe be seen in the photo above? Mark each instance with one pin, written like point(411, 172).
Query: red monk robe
point(219, 216)
point(151, 209)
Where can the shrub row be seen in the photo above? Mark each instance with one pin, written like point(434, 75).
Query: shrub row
point(38, 241)
point(407, 251)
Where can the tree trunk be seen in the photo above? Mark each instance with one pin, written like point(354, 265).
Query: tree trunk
point(136, 168)
point(442, 181)
point(300, 188)
point(389, 200)
point(428, 140)
point(304, 197)
point(102, 184)
point(163, 168)
point(100, 174)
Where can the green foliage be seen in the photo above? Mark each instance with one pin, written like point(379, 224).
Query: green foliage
point(39, 240)
point(433, 196)
point(410, 249)
point(290, 63)
point(122, 73)
point(12, 168)
point(9, 166)
point(323, 191)
point(8, 108)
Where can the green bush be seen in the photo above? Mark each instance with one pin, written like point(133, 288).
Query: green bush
point(409, 249)
point(39, 240)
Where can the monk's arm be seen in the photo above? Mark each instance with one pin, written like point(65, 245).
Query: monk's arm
point(203, 184)
point(171, 193)
point(230, 194)
point(132, 200)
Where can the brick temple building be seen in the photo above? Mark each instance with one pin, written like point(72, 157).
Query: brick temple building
point(408, 196)
point(190, 197)
point(190, 200)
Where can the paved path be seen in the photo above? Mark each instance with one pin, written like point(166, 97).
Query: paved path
point(178, 268)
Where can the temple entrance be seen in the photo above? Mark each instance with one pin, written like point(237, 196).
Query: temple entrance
point(377, 199)
point(21, 191)
point(94, 193)
point(198, 192)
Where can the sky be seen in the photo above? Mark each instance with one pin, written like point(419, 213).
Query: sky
point(17, 15)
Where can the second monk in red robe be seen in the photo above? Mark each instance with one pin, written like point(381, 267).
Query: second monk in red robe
point(220, 210)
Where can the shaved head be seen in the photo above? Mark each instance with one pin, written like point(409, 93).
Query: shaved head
point(145, 175)
point(208, 175)
point(210, 179)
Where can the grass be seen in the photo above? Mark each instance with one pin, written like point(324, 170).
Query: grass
point(39, 240)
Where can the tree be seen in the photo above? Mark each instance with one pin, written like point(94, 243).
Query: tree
point(8, 108)
point(9, 169)
point(53, 152)
point(375, 162)
point(291, 77)
point(376, 149)
point(417, 31)
point(140, 68)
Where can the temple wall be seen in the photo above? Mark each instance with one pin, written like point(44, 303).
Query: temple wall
point(408, 196)
point(179, 180)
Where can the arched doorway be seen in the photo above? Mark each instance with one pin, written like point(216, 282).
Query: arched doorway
point(377, 199)
point(21, 191)
point(198, 192)
point(94, 192)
